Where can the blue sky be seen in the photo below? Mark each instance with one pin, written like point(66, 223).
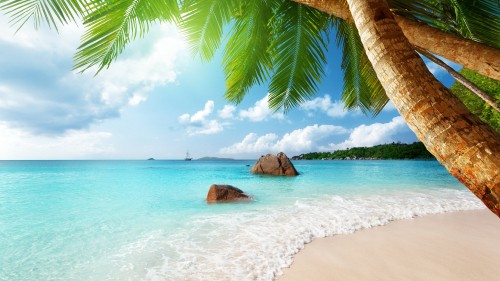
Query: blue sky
point(159, 101)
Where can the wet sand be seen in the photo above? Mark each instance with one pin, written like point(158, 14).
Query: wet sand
point(454, 246)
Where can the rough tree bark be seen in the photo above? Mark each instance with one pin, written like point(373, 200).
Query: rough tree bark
point(470, 54)
point(461, 79)
point(467, 147)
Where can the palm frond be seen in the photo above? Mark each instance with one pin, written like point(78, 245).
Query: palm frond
point(475, 20)
point(52, 12)
point(478, 20)
point(112, 26)
point(427, 11)
point(203, 23)
point(247, 60)
point(362, 89)
point(298, 54)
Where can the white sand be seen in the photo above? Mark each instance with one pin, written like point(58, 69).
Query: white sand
point(454, 246)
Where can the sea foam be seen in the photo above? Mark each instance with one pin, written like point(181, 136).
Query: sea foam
point(257, 245)
point(148, 220)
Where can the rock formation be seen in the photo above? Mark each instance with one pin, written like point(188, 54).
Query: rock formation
point(225, 193)
point(278, 165)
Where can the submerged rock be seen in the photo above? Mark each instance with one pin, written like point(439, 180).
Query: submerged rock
point(225, 193)
point(278, 165)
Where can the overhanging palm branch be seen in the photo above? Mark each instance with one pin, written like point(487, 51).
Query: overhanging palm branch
point(203, 23)
point(459, 78)
point(298, 54)
point(362, 89)
point(247, 60)
point(52, 12)
point(285, 43)
point(476, 20)
point(111, 27)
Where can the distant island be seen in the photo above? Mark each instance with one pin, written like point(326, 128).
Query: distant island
point(214, 159)
point(414, 150)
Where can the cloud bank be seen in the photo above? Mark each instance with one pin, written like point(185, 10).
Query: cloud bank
point(19, 144)
point(325, 105)
point(298, 140)
point(310, 138)
point(41, 95)
point(203, 123)
point(370, 135)
point(260, 112)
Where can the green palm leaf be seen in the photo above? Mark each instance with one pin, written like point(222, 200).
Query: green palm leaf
point(475, 20)
point(362, 89)
point(203, 23)
point(113, 25)
point(427, 11)
point(52, 12)
point(478, 20)
point(298, 54)
point(247, 60)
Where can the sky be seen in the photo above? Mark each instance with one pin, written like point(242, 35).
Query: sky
point(158, 100)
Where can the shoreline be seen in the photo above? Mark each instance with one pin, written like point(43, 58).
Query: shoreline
point(462, 245)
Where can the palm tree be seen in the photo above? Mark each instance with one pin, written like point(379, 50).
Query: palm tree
point(487, 98)
point(444, 28)
point(468, 148)
point(285, 42)
point(428, 24)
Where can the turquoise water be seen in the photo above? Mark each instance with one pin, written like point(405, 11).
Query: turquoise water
point(147, 220)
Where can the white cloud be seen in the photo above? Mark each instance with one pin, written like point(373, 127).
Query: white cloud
point(260, 112)
point(137, 98)
point(201, 115)
point(306, 138)
point(45, 97)
point(227, 112)
point(299, 140)
point(325, 105)
point(184, 119)
point(434, 68)
point(370, 135)
point(43, 39)
point(128, 81)
point(19, 144)
point(335, 108)
point(437, 70)
point(209, 128)
point(252, 143)
point(199, 124)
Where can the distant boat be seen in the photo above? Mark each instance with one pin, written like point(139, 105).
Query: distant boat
point(187, 157)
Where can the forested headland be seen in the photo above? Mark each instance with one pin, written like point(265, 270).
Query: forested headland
point(414, 150)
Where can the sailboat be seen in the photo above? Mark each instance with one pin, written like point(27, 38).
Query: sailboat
point(187, 157)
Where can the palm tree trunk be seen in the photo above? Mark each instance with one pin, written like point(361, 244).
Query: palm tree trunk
point(461, 79)
point(470, 54)
point(468, 148)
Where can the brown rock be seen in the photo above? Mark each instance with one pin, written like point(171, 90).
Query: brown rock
point(278, 165)
point(225, 193)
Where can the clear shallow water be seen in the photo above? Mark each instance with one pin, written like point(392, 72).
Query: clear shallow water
point(147, 220)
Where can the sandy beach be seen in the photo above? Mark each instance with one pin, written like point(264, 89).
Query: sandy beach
point(453, 246)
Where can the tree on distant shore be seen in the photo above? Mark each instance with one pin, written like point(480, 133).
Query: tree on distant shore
point(285, 43)
point(414, 150)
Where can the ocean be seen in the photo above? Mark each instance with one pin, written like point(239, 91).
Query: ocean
point(148, 220)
